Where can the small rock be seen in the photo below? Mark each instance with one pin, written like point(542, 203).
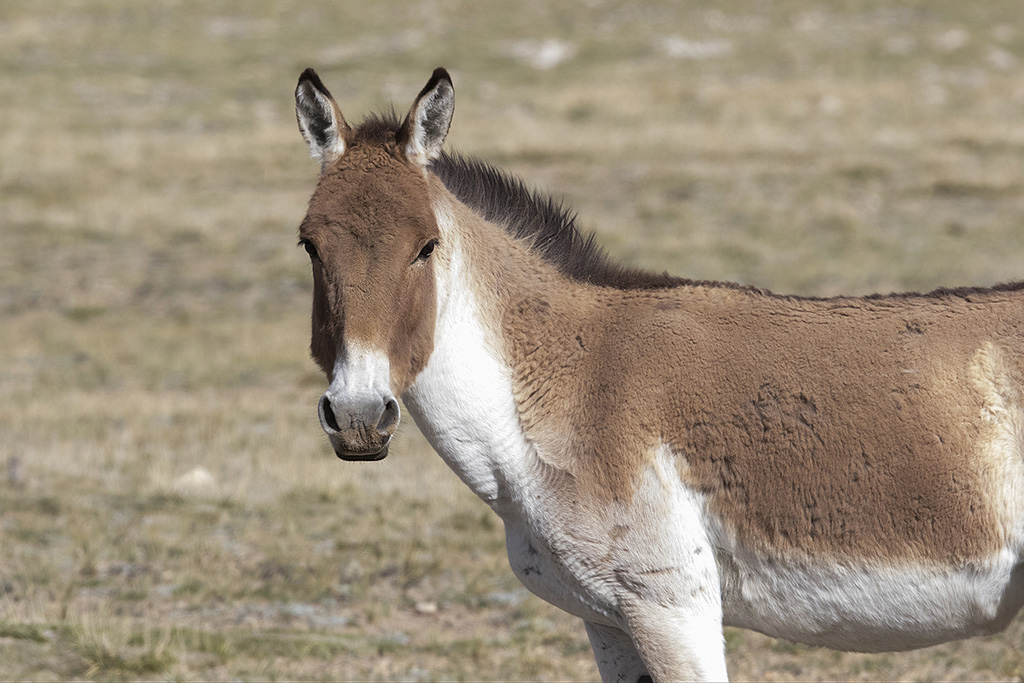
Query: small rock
point(196, 480)
point(426, 607)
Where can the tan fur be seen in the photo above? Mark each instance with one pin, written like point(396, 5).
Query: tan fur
point(849, 427)
point(861, 427)
point(673, 454)
point(999, 380)
point(368, 218)
point(853, 427)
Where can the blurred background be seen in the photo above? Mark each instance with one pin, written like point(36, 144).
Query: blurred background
point(170, 508)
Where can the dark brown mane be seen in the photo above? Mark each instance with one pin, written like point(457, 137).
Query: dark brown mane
point(545, 224)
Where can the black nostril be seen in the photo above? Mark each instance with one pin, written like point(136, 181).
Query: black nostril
point(329, 417)
point(389, 420)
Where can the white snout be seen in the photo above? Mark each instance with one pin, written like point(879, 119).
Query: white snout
point(358, 411)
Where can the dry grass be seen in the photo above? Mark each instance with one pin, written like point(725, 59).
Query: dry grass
point(169, 509)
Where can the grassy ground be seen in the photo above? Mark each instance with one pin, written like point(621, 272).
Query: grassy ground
point(169, 508)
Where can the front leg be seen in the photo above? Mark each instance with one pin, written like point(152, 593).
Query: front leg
point(617, 658)
point(666, 645)
point(679, 644)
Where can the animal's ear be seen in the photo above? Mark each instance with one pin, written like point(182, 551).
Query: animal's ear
point(320, 120)
point(426, 126)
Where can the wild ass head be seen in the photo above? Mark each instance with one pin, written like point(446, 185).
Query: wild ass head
point(370, 233)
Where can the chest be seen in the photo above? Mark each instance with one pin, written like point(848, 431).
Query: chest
point(563, 578)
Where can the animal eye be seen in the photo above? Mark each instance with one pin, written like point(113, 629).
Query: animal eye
point(427, 250)
point(310, 249)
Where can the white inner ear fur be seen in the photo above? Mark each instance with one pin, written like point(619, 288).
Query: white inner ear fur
point(319, 120)
point(430, 119)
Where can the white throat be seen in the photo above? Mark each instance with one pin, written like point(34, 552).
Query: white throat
point(462, 400)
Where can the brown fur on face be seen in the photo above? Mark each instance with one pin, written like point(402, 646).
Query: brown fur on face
point(368, 220)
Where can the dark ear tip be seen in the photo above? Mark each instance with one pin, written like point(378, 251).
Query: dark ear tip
point(310, 76)
point(440, 74)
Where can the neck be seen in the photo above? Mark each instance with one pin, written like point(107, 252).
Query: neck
point(464, 400)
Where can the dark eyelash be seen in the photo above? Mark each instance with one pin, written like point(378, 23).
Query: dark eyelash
point(310, 249)
point(427, 250)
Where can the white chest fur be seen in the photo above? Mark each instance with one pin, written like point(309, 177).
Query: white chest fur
point(464, 404)
point(462, 400)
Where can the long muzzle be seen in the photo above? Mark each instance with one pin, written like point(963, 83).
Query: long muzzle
point(358, 411)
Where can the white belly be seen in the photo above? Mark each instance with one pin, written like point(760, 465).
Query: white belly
point(867, 608)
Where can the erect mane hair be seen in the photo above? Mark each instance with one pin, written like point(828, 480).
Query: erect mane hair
point(546, 225)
